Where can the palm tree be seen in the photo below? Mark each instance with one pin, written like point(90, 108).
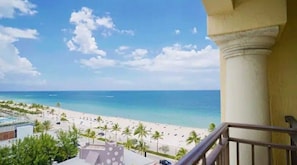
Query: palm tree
point(47, 125)
point(141, 131)
point(127, 132)
point(157, 136)
point(129, 144)
point(38, 127)
point(99, 119)
point(142, 147)
point(36, 122)
point(181, 153)
point(93, 135)
point(104, 128)
point(211, 127)
point(88, 133)
point(52, 111)
point(63, 115)
point(193, 137)
point(116, 128)
point(74, 134)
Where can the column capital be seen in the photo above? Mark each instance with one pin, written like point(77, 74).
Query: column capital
point(251, 42)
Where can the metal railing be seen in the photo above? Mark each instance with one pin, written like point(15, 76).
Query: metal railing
point(214, 149)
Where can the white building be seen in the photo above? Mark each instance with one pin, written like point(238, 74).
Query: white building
point(14, 128)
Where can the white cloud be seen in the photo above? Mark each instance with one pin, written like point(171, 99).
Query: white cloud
point(85, 24)
point(11, 64)
point(12, 34)
point(8, 8)
point(122, 50)
point(177, 31)
point(194, 30)
point(139, 53)
point(178, 58)
point(105, 22)
point(139, 63)
point(83, 40)
point(97, 62)
point(128, 32)
point(189, 46)
point(207, 38)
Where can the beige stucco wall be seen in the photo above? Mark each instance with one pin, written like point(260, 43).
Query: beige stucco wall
point(246, 15)
point(281, 64)
point(282, 76)
point(223, 86)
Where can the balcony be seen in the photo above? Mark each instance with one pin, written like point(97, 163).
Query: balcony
point(216, 148)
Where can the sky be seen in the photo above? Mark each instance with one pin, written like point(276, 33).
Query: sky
point(106, 45)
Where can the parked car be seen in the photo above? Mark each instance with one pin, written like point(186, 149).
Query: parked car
point(165, 162)
point(101, 133)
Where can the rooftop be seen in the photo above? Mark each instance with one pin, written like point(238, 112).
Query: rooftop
point(129, 158)
point(95, 147)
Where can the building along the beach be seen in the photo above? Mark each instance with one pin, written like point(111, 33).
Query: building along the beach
point(258, 69)
point(109, 153)
point(12, 128)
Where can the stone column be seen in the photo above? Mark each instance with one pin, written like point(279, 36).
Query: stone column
point(246, 85)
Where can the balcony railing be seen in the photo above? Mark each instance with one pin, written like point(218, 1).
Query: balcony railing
point(214, 149)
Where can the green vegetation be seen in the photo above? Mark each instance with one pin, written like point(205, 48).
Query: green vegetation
point(181, 153)
point(41, 127)
point(63, 115)
point(87, 133)
point(129, 144)
point(193, 138)
point(20, 110)
point(67, 144)
point(211, 127)
point(157, 136)
point(47, 125)
point(161, 154)
point(63, 119)
point(99, 120)
point(127, 132)
point(116, 128)
point(141, 132)
point(37, 106)
point(42, 149)
point(93, 135)
point(105, 129)
point(141, 146)
point(52, 111)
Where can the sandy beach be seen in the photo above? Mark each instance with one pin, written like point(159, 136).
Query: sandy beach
point(173, 136)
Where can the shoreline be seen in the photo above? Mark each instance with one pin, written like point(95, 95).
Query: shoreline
point(174, 136)
point(196, 109)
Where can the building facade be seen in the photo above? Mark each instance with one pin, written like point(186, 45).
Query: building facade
point(258, 64)
point(13, 128)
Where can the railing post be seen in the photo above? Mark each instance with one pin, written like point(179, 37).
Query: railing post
point(226, 135)
point(293, 124)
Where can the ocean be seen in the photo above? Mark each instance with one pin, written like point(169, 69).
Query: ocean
point(184, 108)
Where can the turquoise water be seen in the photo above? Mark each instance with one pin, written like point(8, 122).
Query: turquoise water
point(185, 108)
